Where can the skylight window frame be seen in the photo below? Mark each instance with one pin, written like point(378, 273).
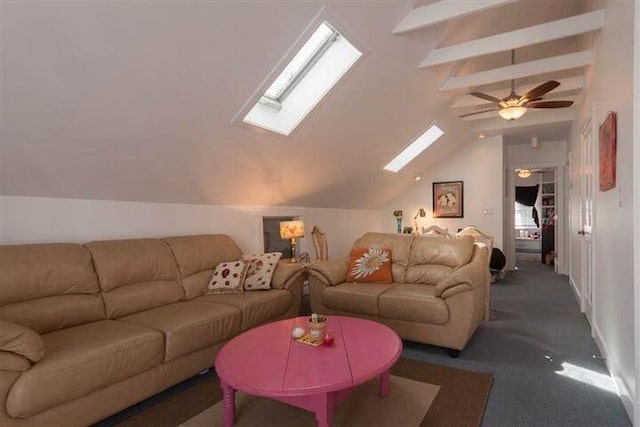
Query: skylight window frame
point(409, 153)
point(325, 14)
point(308, 65)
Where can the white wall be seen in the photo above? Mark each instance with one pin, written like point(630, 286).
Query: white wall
point(479, 165)
point(636, 209)
point(40, 220)
point(609, 88)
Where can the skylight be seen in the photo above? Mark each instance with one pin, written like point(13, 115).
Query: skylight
point(414, 149)
point(317, 66)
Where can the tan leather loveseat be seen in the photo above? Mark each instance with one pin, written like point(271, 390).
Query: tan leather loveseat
point(437, 294)
point(87, 330)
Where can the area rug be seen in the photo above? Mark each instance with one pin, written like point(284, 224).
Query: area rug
point(447, 397)
point(406, 405)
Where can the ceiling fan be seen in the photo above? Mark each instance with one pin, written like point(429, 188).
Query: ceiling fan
point(514, 106)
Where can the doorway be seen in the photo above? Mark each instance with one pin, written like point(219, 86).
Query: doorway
point(535, 216)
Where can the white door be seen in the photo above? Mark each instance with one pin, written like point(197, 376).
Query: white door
point(586, 220)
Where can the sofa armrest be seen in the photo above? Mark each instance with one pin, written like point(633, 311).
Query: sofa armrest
point(473, 274)
point(285, 274)
point(331, 272)
point(21, 341)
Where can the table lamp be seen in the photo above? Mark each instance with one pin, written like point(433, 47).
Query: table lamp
point(292, 230)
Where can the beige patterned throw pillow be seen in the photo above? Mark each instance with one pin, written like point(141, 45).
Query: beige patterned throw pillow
point(261, 268)
point(228, 277)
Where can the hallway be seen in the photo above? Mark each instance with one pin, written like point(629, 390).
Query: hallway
point(538, 345)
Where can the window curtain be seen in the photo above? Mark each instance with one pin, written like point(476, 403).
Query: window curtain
point(528, 196)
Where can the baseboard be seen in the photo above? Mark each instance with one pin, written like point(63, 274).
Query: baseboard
point(624, 391)
point(576, 291)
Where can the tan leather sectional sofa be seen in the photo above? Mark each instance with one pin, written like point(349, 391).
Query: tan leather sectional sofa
point(87, 330)
point(437, 294)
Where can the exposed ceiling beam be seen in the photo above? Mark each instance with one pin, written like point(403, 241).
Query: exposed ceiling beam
point(494, 114)
point(541, 118)
point(575, 25)
point(540, 66)
point(566, 85)
point(442, 11)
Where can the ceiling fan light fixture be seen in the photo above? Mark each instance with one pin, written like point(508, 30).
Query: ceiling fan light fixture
point(512, 113)
point(523, 173)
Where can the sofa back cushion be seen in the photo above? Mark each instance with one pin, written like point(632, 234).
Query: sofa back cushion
point(400, 245)
point(135, 275)
point(197, 257)
point(47, 287)
point(432, 258)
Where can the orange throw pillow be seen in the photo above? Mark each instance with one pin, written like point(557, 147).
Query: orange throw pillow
point(370, 265)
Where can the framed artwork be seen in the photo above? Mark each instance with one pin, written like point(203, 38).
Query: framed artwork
point(448, 201)
point(608, 152)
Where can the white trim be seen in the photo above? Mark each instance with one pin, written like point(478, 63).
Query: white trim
point(636, 212)
point(622, 388)
point(576, 291)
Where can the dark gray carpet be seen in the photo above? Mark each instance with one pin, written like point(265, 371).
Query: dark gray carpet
point(535, 327)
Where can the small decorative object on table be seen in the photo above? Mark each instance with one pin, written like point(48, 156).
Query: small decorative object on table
point(408, 230)
point(304, 257)
point(317, 325)
point(398, 215)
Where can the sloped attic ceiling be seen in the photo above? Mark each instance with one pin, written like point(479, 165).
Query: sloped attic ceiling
point(134, 100)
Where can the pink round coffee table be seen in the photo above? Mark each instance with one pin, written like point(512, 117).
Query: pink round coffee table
point(267, 361)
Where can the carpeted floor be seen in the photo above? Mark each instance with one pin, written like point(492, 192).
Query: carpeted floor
point(536, 334)
point(460, 399)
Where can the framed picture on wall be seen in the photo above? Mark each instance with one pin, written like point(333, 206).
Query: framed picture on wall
point(608, 152)
point(448, 199)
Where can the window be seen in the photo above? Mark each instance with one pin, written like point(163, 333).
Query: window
point(414, 149)
point(271, 236)
point(317, 66)
point(524, 216)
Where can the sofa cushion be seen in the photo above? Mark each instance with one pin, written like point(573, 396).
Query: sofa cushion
point(81, 360)
point(370, 265)
point(135, 275)
point(189, 326)
point(430, 274)
point(198, 255)
point(400, 245)
point(360, 298)
point(46, 287)
point(261, 269)
point(414, 303)
point(257, 307)
point(451, 252)
point(228, 278)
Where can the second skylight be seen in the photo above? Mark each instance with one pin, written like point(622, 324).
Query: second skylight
point(414, 149)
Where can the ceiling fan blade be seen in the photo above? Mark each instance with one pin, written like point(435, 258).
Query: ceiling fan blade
point(479, 112)
point(541, 90)
point(486, 97)
point(550, 104)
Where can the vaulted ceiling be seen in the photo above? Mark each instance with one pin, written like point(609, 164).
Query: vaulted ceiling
point(134, 100)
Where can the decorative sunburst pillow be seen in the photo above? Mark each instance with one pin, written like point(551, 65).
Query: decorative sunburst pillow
point(261, 268)
point(228, 277)
point(370, 265)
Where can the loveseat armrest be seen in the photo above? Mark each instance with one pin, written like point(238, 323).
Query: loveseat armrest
point(21, 341)
point(473, 274)
point(14, 362)
point(285, 274)
point(331, 272)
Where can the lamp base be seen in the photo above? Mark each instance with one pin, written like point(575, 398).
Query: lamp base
point(293, 251)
